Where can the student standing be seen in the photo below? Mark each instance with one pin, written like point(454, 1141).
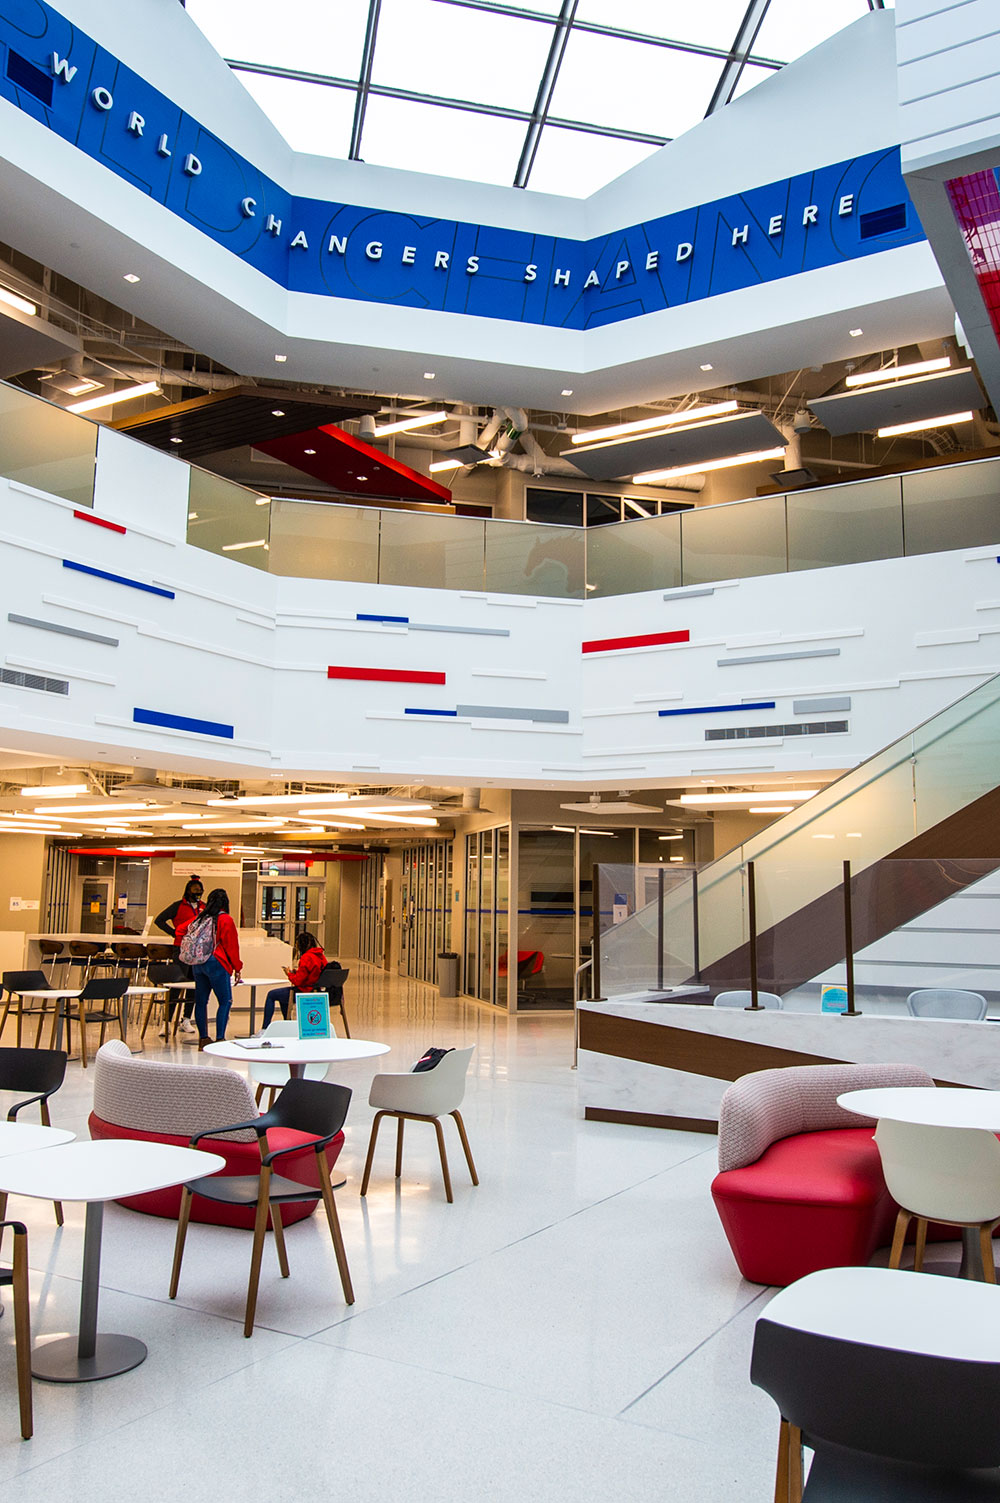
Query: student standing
point(174, 920)
point(311, 963)
point(213, 946)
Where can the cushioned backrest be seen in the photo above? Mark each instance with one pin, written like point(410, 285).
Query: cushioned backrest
point(150, 1096)
point(759, 1109)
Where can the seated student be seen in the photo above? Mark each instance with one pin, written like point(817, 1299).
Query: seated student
point(311, 962)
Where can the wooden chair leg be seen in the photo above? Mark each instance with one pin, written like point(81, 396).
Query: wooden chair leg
point(182, 1226)
point(6, 1010)
point(333, 1220)
point(400, 1124)
point(986, 1251)
point(371, 1152)
point(444, 1159)
point(22, 1332)
point(279, 1238)
point(465, 1144)
point(919, 1245)
point(82, 1016)
point(899, 1237)
point(788, 1480)
point(259, 1228)
point(145, 1022)
point(259, 1093)
point(20, 1011)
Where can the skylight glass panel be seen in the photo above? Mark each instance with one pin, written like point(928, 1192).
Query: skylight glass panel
point(665, 93)
point(311, 117)
point(713, 23)
point(791, 28)
point(309, 35)
point(454, 53)
point(450, 143)
point(575, 164)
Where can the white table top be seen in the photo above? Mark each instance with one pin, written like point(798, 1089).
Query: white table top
point(298, 1051)
point(27, 1137)
point(52, 991)
point(264, 981)
point(106, 1170)
point(907, 1312)
point(932, 1106)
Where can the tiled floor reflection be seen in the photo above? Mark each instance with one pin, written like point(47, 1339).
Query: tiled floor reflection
point(573, 1327)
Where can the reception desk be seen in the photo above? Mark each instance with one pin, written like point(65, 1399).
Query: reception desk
point(666, 1064)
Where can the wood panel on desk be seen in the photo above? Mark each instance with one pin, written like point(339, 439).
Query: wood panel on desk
point(687, 1049)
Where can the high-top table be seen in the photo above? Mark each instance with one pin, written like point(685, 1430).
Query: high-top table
point(253, 982)
point(95, 1173)
point(296, 1053)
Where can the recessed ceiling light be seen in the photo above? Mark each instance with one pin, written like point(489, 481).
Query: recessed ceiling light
point(428, 375)
point(708, 367)
point(771, 809)
point(855, 333)
point(277, 412)
point(192, 516)
point(362, 477)
point(281, 359)
point(566, 392)
point(309, 451)
point(130, 276)
point(176, 440)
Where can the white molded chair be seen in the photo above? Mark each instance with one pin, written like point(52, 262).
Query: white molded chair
point(424, 1097)
point(744, 999)
point(944, 1174)
point(946, 1002)
point(273, 1077)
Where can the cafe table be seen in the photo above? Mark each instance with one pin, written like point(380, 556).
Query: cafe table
point(296, 1053)
point(96, 1172)
point(253, 982)
point(933, 1106)
point(28, 1137)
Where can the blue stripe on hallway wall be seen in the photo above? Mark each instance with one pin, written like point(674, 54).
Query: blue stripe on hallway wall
point(390, 620)
point(453, 713)
point(182, 723)
point(133, 584)
point(761, 704)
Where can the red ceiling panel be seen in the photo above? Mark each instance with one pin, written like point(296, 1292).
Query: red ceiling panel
point(341, 460)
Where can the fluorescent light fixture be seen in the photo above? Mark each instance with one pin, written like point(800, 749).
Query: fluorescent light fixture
point(446, 464)
point(670, 837)
point(362, 809)
point(29, 830)
point(281, 798)
point(256, 824)
point(771, 809)
point(658, 477)
point(240, 547)
point(127, 393)
point(424, 420)
point(748, 798)
point(309, 451)
point(597, 832)
point(938, 422)
point(51, 790)
point(647, 425)
point(104, 808)
point(898, 372)
point(853, 835)
point(824, 837)
point(676, 858)
point(14, 300)
point(563, 829)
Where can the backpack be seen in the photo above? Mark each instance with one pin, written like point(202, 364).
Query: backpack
point(429, 1059)
point(198, 944)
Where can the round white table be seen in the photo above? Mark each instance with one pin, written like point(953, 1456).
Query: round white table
point(28, 1137)
point(95, 1173)
point(933, 1106)
point(296, 1053)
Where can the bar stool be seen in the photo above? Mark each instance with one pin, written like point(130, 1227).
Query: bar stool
point(81, 957)
point(130, 960)
point(52, 955)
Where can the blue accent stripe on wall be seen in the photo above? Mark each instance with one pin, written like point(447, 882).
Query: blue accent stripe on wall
point(394, 620)
point(453, 713)
point(182, 723)
point(761, 704)
point(133, 584)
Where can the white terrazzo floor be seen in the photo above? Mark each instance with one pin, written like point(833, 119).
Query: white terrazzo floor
point(574, 1327)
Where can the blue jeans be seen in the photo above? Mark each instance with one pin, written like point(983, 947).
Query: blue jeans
point(280, 995)
point(212, 977)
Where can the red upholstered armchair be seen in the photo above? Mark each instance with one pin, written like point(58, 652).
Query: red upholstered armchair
point(157, 1102)
point(800, 1183)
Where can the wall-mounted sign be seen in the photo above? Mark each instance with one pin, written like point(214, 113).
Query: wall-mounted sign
point(61, 77)
point(204, 868)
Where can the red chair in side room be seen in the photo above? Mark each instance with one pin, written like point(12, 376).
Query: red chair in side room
point(800, 1184)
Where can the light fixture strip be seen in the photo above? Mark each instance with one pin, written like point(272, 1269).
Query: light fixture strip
point(898, 372)
point(938, 422)
point(126, 394)
point(15, 300)
point(659, 477)
point(748, 798)
point(425, 420)
point(54, 790)
point(648, 426)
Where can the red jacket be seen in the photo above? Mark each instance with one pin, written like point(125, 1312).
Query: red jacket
point(185, 916)
point(227, 946)
point(307, 972)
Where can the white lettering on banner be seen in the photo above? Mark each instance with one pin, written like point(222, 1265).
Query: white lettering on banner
point(441, 260)
point(300, 242)
point(102, 98)
point(593, 280)
point(248, 208)
point(776, 224)
point(273, 226)
point(338, 243)
point(162, 149)
point(409, 254)
point(652, 260)
point(192, 166)
point(561, 279)
point(530, 272)
point(621, 269)
point(135, 123)
point(373, 250)
point(684, 250)
point(741, 236)
point(846, 205)
point(472, 266)
point(61, 68)
point(809, 213)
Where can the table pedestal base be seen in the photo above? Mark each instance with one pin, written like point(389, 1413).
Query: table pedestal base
point(60, 1361)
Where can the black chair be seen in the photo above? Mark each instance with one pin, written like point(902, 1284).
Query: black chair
point(13, 983)
point(904, 1406)
point(163, 974)
point(40, 1071)
point(99, 989)
point(331, 980)
point(17, 1277)
point(308, 1106)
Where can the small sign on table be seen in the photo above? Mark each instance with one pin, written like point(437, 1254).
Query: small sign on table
point(312, 1010)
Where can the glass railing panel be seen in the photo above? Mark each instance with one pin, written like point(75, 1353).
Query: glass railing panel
point(45, 447)
point(228, 519)
point(722, 915)
point(638, 952)
point(737, 541)
point(533, 559)
point(956, 757)
point(954, 506)
point(437, 552)
point(630, 556)
point(845, 524)
point(323, 540)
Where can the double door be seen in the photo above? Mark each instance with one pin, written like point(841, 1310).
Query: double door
point(286, 907)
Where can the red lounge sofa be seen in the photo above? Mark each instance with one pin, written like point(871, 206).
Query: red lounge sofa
point(156, 1102)
point(800, 1184)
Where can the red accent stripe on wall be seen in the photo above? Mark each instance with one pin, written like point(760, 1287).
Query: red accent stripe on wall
point(387, 675)
point(653, 639)
point(86, 516)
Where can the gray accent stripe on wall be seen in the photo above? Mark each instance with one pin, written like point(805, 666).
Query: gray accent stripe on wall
point(689, 594)
point(513, 712)
point(465, 631)
point(817, 706)
point(64, 631)
point(780, 657)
